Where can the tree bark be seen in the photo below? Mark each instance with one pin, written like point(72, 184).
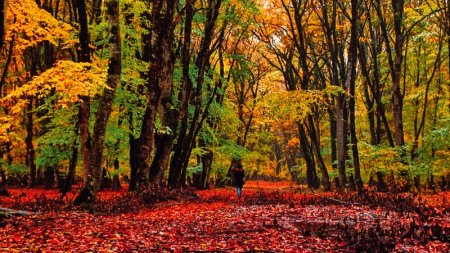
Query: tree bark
point(207, 160)
point(332, 117)
point(3, 10)
point(341, 137)
point(353, 58)
point(177, 174)
point(307, 154)
point(84, 109)
point(107, 98)
point(96, 11)
point(315, 146)
point(134, 148)
point(159, 83)
point(29, 143)
point(160, 162)
point(184, 95)
point(395, 64)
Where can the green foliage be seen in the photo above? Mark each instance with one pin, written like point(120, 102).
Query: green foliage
point(17, 170)
point(194, 170)
point(55, 145)
point(232, 150)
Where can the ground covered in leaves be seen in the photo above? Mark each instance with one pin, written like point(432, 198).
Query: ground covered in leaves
point(272, 217)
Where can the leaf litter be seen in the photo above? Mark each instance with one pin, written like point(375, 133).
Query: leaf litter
point(265, 221)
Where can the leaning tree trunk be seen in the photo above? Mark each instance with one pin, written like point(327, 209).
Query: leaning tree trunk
point(307, 153)
point(93, 149)
point(107, 98)
point(315, 143)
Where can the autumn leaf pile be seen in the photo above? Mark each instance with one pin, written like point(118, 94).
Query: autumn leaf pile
point(273, 219)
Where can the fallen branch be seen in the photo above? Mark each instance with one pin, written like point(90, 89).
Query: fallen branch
point(239, 231)
point(332, 199)
point(12, 212)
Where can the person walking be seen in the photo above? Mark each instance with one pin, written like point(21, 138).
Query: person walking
point(238, 178)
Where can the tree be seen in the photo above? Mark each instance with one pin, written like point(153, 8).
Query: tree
point(186, 138)
point(159, 78)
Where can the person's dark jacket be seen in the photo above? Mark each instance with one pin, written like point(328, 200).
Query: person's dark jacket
point(238, 177)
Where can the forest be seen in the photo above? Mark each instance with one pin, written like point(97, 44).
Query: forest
point(121, 123)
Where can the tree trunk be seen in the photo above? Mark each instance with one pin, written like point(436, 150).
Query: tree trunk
point(207, 160)
point(371, 109)
point(160, 72)
point(84, 109)
point(107, 98)
point(177, 174)
point(177, 162)
point(67, 185)
point(96, 11)
point(341, 138)
point(395, 64)
point(3, 190)
point(134, 146)
point(307, 154)
point(353, 58)
point(29, 144)
point(3, 10)
point(331, 113)
point(315, 146)
point(160, 162)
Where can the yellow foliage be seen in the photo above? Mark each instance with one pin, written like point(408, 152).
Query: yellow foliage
point(31, 25)
point(69, 80)
point(297, 105)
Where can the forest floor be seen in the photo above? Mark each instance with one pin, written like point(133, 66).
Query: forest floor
point(271, 217)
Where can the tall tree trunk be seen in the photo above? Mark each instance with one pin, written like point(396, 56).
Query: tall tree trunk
point(160, 72)
point(419, 128)
point(332, 116)
point(160, 162)
point(29, 143)
point(315, 146)
point(107, 98)
point(84, 56)
point(374, 84)
point(371, 109)
point(70, 178)
point(207, 160)
point(307, 154)
point(341, 137)
point(96, 11)
point(134, 148)
point(3, 9)
point(353, 58)
point(177, 174)
point(177, 162)
point(395, 64)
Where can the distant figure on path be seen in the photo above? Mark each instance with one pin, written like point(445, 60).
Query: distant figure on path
point(238, 179)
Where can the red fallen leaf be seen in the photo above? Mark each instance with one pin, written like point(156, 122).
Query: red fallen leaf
point(217, 221)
